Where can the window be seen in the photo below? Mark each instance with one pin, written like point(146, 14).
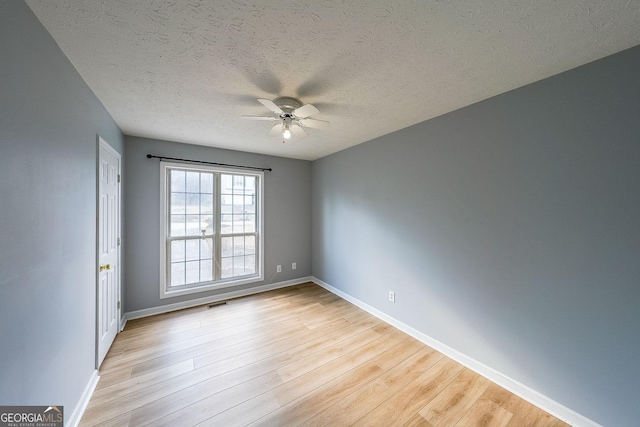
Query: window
point(211, 227)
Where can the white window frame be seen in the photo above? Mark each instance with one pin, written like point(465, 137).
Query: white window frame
point(165, 289)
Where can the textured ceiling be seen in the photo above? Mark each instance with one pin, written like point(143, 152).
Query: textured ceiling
point(187, 70)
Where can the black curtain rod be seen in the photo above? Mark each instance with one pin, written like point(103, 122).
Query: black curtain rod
point(151, 156)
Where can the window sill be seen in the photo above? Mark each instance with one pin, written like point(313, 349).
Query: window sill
point(176, 292)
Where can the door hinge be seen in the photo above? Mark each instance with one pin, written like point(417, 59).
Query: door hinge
point(118, 304)
point(118, 241)
point(118, 178)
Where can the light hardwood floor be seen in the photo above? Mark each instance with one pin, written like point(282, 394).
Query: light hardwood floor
point(294, 356)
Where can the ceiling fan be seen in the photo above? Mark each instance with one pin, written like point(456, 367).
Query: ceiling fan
point(292, 117)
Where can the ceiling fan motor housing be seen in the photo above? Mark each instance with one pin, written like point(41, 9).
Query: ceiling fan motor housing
point(287, 104)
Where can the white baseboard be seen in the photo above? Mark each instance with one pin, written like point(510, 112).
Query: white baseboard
point(209, 300)
point(546, 404)
point(77, 413)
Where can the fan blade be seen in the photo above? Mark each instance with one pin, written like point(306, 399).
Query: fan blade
point(269, 118)
point(270, 105)
point(298, 132)
point(305, 111)
point(275, 130)
point(313, 123)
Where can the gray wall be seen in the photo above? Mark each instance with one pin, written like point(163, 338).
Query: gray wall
point(287, 205)
point(49, 120)
point(509, 230)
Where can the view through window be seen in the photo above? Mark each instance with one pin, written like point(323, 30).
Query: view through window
point(212, 228)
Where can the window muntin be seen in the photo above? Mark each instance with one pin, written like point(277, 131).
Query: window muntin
point(211, 229)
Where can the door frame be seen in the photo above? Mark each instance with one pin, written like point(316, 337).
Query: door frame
point(101, 143)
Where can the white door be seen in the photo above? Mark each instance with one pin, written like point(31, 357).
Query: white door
point(108, 292)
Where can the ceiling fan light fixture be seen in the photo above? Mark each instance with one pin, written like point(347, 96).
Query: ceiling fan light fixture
point(286, 128)
point(286, 133)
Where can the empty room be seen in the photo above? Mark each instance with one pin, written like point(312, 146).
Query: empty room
point(281, 213)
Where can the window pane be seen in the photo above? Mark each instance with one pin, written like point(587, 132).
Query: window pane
point(238, 205)
point(227, 246)
point(192, 249)
point(193, 182)
point(238, 265)
point(238, 183)
point(206, 224)
point(249, 204)
point(238, 245)
point(250, 245)
point(177, 203)
point(227, 268)
point(226, 202)
point(249, 223)
point(206, 203)
point(177, 181)
point(238, 224)
point(177, 250)
point(250, 264)
point(193, 225)
point(193, 203)
point(249, 184)
point(206, 182)
point(193, 272)
point(206, 248)
point(226, 184)
point(177, 274)
point(206, 270)
point(226, 224)
point(177, 225)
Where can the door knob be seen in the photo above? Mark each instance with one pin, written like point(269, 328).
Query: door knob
point(105, 267)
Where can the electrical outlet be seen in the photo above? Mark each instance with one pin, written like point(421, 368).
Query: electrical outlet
point(392, 296)
point(293, 266)
point(278, 269)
